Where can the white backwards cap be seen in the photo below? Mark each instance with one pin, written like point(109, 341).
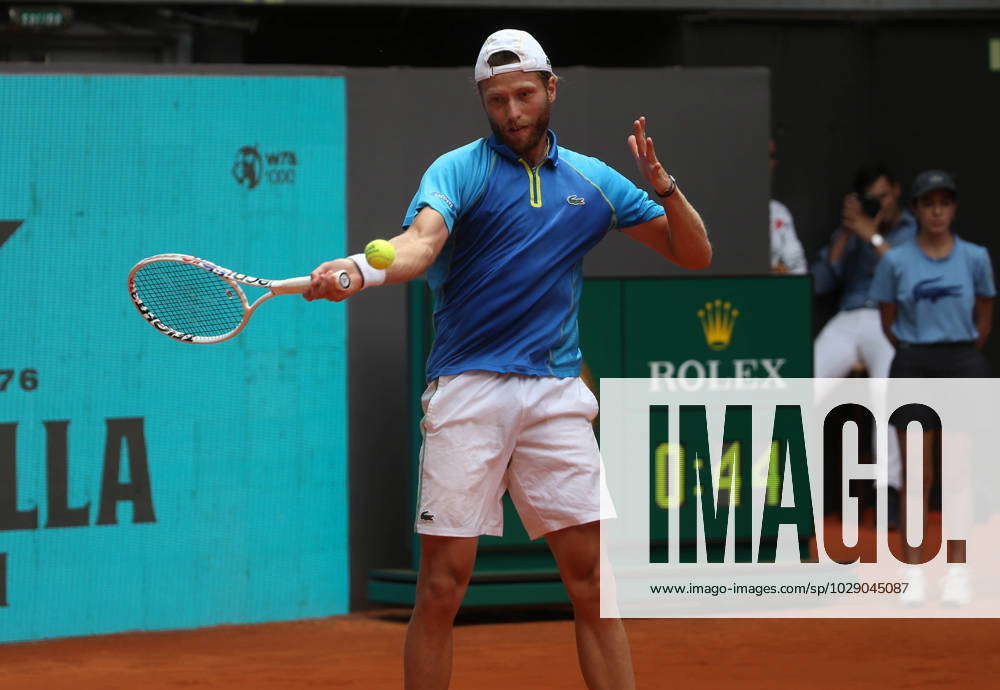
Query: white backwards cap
point(531, 57)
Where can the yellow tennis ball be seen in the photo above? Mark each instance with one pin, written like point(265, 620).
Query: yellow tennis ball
point(380, 254)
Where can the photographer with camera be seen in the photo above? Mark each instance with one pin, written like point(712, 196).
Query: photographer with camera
point(872, 221)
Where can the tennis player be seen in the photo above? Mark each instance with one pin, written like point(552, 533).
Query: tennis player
point(501, 226)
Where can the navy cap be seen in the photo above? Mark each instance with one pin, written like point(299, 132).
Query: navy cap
point(929, 180)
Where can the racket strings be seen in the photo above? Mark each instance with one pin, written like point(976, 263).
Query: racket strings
point(189, 299)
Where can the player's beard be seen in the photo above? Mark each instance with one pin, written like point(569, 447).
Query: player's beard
point(539, 129)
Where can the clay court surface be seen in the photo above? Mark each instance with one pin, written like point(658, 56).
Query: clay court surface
point(526, 650)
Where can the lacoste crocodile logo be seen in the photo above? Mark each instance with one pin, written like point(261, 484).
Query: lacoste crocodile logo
point(426, 517)
point(926, 289)
point(574, 200)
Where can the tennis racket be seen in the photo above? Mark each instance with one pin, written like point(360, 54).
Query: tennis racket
point(195, 301)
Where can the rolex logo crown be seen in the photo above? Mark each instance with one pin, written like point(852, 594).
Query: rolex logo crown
point(717, 321)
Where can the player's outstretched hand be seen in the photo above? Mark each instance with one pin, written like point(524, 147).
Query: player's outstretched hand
point(325, 284)
point(645, 157)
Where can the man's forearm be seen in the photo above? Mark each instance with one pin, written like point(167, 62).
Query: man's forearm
point(837, 248)
point(417, 246)
point(687, 237)
point(414, 256)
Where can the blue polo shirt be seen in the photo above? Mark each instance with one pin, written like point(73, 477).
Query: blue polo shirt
point(507, 283)
point(934, 297)
point(857, 265)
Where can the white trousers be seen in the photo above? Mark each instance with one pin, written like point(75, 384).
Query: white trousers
point(851, 337)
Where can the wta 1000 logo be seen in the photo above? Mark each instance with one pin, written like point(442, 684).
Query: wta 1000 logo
point(251, 167)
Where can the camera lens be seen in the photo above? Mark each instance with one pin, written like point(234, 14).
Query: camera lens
point(870, 206)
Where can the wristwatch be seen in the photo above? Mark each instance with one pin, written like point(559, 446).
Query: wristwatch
point(671, 190)
point(877, 240)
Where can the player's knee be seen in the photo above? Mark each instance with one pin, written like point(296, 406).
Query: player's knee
point(584, 589)
point(442, 594)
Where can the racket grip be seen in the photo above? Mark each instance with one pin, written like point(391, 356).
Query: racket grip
point(291, 285)
point(302, 283)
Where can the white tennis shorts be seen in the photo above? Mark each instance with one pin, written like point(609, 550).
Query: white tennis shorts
point(485, 433)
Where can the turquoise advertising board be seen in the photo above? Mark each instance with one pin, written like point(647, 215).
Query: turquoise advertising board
point(145, 483)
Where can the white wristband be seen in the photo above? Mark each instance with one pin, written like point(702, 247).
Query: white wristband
point(372, 276)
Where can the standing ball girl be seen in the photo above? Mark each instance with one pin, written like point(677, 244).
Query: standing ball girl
point(936, 300)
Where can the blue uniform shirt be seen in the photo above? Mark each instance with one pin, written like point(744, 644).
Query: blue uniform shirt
point(935, 297)
point(857, 264)
point(507, 283)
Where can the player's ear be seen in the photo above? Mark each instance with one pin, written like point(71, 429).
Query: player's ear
point(551, 88)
